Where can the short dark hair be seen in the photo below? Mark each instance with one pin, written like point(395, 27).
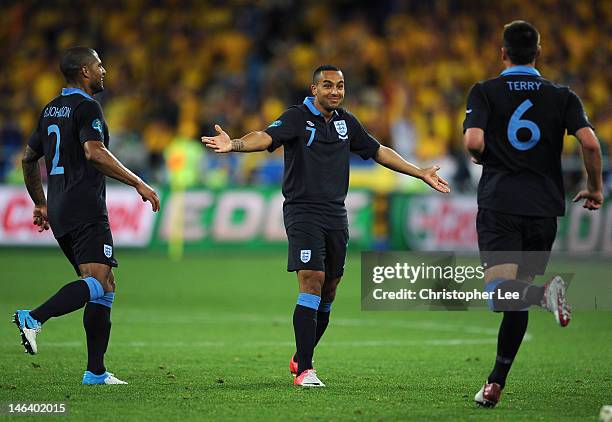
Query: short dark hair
point(74, 59)
point(521, 40)
point(321, 69)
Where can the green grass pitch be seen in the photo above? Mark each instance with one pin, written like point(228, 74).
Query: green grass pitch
point(210, 338)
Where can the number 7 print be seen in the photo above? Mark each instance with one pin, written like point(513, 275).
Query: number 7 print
point(312, 131)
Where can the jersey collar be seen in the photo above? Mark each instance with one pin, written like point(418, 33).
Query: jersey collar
point(521, 70)
point(309, 102)
point(70, 91)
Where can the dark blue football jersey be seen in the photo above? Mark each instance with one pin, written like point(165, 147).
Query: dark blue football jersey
point(316, 177)
point(76, 192)
point(524, 118)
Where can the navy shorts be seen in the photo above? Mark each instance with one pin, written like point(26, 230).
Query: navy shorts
point(515, 239)
point(312, 247)
point(89, 243)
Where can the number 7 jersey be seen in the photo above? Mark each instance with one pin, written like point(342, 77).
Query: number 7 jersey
point(524, 118)
point(76, 193)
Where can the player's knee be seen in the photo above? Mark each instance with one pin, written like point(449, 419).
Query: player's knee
point(312, 277)
point(101, 273)
point(312, 288)
point(328, 296)
point(328, 292)
point(109, 286)
point(311, 281)
point(108, 283)
point(506, 271)
point(96, 289)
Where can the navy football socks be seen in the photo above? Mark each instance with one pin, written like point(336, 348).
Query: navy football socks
point(86, 292)
point(305, 328)
point(511, 333)
point(322, 319)
point(68, 299)
point(97, 323)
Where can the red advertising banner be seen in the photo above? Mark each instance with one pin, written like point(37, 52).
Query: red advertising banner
point(131, 219)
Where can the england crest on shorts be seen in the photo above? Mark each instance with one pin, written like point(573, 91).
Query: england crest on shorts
point(341, 129)
point(108, 251)
point(305, 255)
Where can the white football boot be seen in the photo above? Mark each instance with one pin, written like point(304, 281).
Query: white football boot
point(308, 378)
point(554, 300)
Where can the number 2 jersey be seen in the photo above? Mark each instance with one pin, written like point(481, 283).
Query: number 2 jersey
point(524, 118)
point(76, 193)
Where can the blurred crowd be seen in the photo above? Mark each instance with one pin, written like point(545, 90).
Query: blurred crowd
point(176, 68)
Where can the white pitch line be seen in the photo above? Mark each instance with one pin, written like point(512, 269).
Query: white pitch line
point(275, 344)
point(141, 317)
point(204, 318)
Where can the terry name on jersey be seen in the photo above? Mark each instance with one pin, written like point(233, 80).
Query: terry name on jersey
point(523, 85)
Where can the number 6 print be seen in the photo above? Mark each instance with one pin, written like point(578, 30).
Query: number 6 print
point(516, 124)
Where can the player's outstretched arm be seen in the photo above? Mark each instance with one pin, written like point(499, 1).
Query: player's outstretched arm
point(107, 163)
point(31, 177)
point(251, 142)
point(392, 160)
point(591, 155)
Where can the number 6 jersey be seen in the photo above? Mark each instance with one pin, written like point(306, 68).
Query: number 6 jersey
point(76, 192)
point(524, 118)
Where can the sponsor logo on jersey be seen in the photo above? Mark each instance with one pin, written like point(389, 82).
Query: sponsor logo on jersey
point(97, 125)
point(341, 129)
point(108, 251)
point(276, 123)
point(305, 255)
point(309, 123)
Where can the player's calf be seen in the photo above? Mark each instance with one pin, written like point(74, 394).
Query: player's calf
point(305, 329)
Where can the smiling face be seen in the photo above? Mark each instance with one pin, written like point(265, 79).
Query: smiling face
point(95, 73)
point(329, 90)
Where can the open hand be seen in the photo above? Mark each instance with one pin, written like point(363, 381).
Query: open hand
point(431, 177)
point(220, 143)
